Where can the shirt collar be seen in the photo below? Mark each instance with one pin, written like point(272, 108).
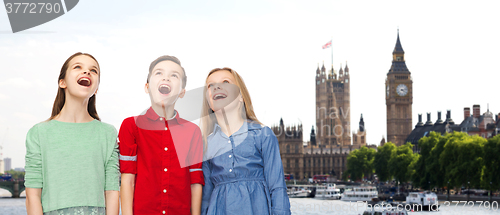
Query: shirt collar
point(151, 114)
point(248, 125)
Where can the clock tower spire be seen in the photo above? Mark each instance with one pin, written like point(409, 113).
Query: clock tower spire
point(399, 97)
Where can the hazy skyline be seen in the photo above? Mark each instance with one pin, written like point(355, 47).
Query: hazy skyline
point(451, 50)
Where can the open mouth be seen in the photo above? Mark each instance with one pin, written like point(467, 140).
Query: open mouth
point(219, 96)
point(164, 89)
point(83, 81)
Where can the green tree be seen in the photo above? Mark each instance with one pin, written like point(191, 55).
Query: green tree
point(381, 161)
point(399, 164)
point(17, 175)
point(491, 170)
point(360, 163)
point(462, 159)
point(434, 167)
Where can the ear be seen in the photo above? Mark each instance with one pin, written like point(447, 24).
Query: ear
point(183, 92)
point(146, 88)
point(62, 84)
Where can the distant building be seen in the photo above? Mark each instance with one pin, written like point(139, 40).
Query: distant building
point(2, 170)
point(19, 169)
point(399, 97)
point(486, 125)
point(7, 164)
point(359, 138)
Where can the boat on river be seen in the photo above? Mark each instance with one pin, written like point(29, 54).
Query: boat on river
point(327, 191)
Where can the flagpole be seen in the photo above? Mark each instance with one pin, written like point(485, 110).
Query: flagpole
point(331, 47)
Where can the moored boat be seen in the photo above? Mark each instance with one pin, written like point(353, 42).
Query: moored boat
point(299, 191)
point(360, 193)
point(327, 191)
point(427, 201)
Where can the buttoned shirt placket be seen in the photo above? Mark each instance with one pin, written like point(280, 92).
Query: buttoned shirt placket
point(164, 161)
point(231, 156)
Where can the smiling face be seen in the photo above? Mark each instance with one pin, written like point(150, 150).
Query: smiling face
point(222, 91)
point(165, 83)
point(82, 77)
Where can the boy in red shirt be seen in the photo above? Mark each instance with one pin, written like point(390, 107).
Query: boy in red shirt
point(161, 153)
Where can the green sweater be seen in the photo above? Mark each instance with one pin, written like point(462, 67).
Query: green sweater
point(73, 163)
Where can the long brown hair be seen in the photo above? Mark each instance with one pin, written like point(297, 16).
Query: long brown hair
point(208, 119)
point(61, 97)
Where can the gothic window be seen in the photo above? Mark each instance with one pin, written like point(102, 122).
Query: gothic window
point(287, 163)
point(287, 148)
point(296, 163)
point(362, 139)
point(296, 148)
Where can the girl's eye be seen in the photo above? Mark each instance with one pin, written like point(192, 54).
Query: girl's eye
point(78, 67)
point(209, 86)
point(225, 81)
point(158, 73)
point(94, 71)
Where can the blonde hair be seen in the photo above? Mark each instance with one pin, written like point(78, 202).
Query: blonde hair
point(208, 118)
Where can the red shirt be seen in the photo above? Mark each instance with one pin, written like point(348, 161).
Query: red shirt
point(166, 157)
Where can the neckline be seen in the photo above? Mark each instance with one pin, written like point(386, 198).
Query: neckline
point(73, 123)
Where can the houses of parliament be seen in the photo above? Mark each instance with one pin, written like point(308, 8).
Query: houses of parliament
point(330, 140)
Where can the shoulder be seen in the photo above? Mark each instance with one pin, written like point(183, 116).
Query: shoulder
point(257, 127)
point(187, 125)
point(41, 126)
point(260, 131)
point(34, 131)
point(107, 127)
point(129, 122)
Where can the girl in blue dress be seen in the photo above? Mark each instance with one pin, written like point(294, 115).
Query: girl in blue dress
point(242, 168)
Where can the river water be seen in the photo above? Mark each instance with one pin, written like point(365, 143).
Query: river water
point(305, 206)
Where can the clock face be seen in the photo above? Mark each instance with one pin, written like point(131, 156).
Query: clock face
point(402, 90)
point(387, 90)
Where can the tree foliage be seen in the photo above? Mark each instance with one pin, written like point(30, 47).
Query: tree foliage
point(462, 159)
point(399, 163)
point(491, 170)
point(360, 163)
point(381, 161)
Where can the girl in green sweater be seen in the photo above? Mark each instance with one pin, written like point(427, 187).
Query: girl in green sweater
point(72, 158)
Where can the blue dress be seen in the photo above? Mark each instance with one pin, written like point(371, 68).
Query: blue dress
point(244, 173)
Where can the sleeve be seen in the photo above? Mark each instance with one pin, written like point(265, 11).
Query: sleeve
point(273, 173)
point(33, 177)
point(196, 159)
point(111, 168)
point(207, 188)
point(128, 146)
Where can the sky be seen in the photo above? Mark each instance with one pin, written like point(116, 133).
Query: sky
point(451, 49)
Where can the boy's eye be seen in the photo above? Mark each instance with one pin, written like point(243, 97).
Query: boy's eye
point(94, 71)
point(78, 67)
point(174, 75)
point(158, 73)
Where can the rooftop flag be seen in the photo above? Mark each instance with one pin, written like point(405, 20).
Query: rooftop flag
point(327, 45)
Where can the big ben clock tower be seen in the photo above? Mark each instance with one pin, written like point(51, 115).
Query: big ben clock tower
point(398, 98)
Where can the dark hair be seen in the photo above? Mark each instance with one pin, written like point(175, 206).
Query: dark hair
point(61, 97)
point(168, 58)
